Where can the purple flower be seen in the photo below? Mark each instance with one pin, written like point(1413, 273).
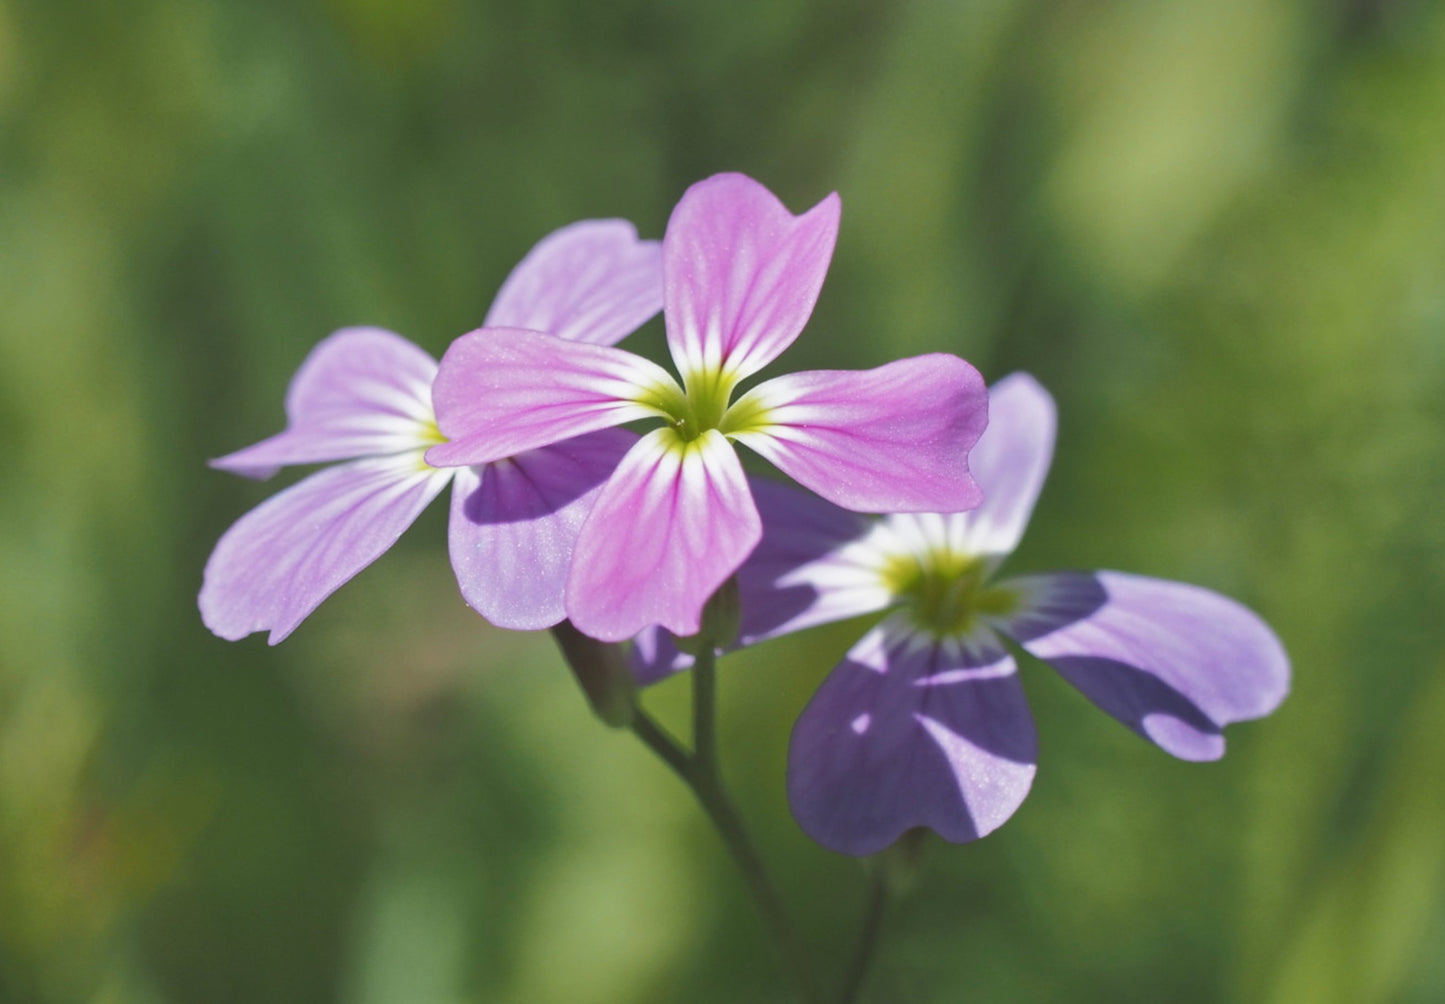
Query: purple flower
point(676, 519)
point(924, 722)
point(364, 396)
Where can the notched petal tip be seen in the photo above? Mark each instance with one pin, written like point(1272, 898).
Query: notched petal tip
point(741, 274)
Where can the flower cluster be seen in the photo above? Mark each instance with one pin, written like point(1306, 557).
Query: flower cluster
point(561, 513)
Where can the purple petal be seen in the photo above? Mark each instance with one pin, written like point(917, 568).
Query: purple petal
point(816, 564)
point(514, 524)
point(742, 274)
point(279, 561)
point(655, 656)
point(1174, 662)
point(672, 524)
point(361, 392)
point(891, 439)
point(502, 391)
point(1009, 463)
point(593, 281)
point(909, 731)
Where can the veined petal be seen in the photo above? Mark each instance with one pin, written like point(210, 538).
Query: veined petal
point(671, 525)
point(891, 439)
point(515, 522)
point(910, 731)
point(742, 274)
point(503, 391)
point(815, 564)
point(592, 281)
point(1174, 662)
point(279, 561)
point(1010, 464)
point(361, 392)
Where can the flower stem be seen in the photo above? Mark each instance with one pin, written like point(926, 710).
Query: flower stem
point(873, 912)
point(700, 772)
point(595, 665)
point(704, 710)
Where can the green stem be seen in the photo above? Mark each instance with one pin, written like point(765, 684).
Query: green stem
point(868, 937)
point(699, 771)
point(704, 710)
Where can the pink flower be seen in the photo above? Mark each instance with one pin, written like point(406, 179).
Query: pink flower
point(676, 518)
point(364, 396)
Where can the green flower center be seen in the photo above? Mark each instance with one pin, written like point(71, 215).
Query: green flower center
point(945, 593)
point(704, 406)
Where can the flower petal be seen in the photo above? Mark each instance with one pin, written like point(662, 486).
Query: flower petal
point(1010, 464)
point(361, 392)
point(891, 439)
point(515, 522)
point(279, 561)
point(909, 731)
point(742, 274)
point(1174, 662)
point(503, 391)
point(815, 564)
point(672, 524)
point(593, 281)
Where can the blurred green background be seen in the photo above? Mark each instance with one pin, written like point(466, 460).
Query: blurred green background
point(1214, 228)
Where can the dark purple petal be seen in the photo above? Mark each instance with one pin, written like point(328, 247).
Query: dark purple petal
point(742, 274)
point(502, 391)
point(514, 524)
point(279, 561)
point(1174, 662)
point(909, 731)
point(1009, 463)
point(672, 524)
point(891, 439)
point(361, 392)
point(593, 281)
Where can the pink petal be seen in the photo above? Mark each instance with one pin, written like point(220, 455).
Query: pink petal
point(742, 274)
point(815, 564)
point(503, 391)
point(1009, 463)
point(514, 524)
point(891, 439)
point(279, 561)
point(672, 524)
point(361, 392)
point(1174, 662)
point(593, 281)
point(909, 732)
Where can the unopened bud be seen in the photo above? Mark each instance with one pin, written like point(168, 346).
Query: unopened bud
point(602, 670)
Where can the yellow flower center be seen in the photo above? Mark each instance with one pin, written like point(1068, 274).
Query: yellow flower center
point(945, 592)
